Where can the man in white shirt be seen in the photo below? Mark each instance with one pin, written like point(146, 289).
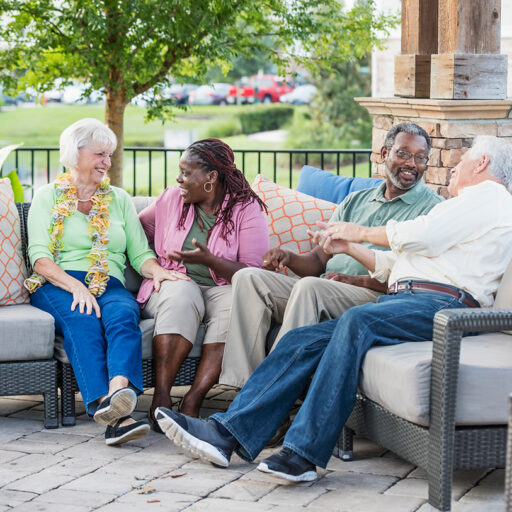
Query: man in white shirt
point(453, 257)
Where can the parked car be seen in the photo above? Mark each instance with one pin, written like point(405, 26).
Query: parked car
point(181, 93)
point(301, 95)
point(215, 94)
point(264, 89)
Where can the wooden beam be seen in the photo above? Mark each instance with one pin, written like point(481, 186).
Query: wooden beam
point(419, 27)
point(469, 26)
point(468, 76)
point(412, 76)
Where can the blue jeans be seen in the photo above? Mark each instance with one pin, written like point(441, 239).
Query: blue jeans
point(332, 353)
point(97, 348)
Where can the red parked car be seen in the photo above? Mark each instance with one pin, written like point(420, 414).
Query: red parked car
point(264, 89)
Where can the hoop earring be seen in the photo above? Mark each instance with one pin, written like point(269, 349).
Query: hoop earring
point(211, 187)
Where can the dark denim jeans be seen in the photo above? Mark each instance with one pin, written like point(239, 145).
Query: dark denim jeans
point(331, 352)
point(97, 348)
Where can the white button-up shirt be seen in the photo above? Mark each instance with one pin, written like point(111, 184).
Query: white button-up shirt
point(464, 242)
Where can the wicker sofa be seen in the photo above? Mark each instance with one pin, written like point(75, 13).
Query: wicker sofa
point(441, 405)
point(314, 182)
point(508, 472)
point(27, 366)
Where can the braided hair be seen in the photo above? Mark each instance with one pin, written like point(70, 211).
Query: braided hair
point(215, 155)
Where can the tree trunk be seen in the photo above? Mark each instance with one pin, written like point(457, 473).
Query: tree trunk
point(114, 117)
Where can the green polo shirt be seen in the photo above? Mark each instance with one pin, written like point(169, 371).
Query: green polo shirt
point(369, 207)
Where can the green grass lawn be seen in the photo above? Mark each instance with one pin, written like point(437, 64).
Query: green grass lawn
point(41, 127)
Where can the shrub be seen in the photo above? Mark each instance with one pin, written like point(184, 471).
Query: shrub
point(261, 119)
point(224, 128)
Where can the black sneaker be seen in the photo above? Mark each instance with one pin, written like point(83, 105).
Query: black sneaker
point(119, 404)
point(199, 437)
point(289, 465)
point(118, 435)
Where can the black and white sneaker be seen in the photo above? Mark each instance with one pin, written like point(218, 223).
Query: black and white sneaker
point(289, 465)
point(119, 404)
point(118, 435)
point(199, 437)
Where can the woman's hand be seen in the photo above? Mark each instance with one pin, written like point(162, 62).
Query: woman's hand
point(84, 299)
point(199, 256)
point(276, 259)
point(162, 274)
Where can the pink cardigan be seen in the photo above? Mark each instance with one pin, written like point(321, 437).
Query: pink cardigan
point(247, 243)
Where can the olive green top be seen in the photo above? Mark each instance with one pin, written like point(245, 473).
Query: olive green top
point(199, 273)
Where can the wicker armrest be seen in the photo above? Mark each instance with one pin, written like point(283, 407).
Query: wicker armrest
point(473, 320)
point(449, 326)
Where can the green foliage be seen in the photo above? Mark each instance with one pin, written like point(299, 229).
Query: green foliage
point(224, 128)
point(16, 185)
point(131, 47)
point(260, 119)
point(335, 120)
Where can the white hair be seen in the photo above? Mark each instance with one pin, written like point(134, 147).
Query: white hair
point(499, 152)
point(85, 132)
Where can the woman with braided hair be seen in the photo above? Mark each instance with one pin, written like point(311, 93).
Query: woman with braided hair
point(79, 229)
point(207, 227)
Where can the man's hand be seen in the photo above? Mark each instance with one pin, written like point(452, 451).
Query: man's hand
point(276, 259)
point(363, 281)
point(341, 278)
point(199, 256)
point(328, 244)
point(347, 231)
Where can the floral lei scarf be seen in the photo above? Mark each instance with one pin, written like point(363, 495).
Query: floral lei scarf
point(99, 222)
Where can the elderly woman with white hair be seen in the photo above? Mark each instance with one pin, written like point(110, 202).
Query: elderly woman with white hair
point(80, 228)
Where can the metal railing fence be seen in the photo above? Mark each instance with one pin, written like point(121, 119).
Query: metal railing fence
point(148, 170)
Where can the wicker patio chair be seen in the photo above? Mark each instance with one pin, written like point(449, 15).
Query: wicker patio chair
point(442, 446)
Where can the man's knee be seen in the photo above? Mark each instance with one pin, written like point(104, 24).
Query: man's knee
point(307, 286)
point(247, 275)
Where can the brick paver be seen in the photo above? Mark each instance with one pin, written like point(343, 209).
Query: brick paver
point(72, 470)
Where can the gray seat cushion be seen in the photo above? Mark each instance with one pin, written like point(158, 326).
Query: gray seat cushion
point(26, 333)
point(398, 378)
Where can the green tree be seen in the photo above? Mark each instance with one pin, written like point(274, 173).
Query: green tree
point(337, 119)
point(127, 48)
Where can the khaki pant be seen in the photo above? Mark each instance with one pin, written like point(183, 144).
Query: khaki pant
point(180, 306)
point(261, 297)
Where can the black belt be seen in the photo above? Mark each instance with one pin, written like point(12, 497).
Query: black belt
point(427, 286)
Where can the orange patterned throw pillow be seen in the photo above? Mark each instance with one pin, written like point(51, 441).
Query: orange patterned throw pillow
point(12, 267)
point(290, 214)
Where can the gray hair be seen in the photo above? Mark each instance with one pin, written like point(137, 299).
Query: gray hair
point(84, 133)
point(499, 152)
point(411, 128)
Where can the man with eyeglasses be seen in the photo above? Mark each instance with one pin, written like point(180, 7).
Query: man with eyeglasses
point(343, 282)
point(453, 257)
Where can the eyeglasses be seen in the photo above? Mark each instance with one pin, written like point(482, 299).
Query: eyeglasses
point(405, 155)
